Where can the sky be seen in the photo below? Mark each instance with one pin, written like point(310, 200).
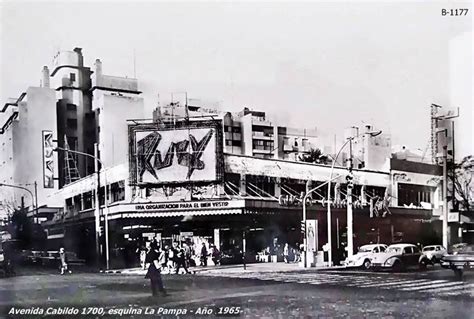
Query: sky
point(313, 64)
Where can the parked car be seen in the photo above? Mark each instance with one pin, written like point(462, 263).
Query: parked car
point(454, 249)
point(461, 261)
point(431, 255)
point(397, 257)
point(364, 256)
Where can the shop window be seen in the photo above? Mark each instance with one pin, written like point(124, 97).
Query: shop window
point(410, 194)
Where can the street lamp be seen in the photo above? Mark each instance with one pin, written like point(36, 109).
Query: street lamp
point(34, 199)
point(97, 204)
point(350, 243)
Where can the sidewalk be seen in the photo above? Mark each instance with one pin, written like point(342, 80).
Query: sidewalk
point(232, 269)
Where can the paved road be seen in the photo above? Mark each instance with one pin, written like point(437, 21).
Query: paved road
point(289, 294)
point(438, 282)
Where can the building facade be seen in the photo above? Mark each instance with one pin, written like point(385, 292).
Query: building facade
point(204, 175)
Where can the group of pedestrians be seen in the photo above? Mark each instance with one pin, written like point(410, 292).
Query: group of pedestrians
point(291, 254)
point(171, 259)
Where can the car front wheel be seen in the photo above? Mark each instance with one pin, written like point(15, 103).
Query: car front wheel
point(366, 264)
point(422, 265)
point(397, 266)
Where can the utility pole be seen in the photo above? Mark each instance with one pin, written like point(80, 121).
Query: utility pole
point(35, 216)
point(445, 197)
point(97, 204)
point(350, 215)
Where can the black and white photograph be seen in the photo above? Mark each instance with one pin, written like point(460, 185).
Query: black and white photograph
point(236, 159)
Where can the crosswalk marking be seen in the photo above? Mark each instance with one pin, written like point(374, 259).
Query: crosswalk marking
point(442, 287)
point(433, 284)
point(454, 291)
point(384, 283)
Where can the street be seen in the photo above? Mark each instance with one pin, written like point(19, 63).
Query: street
point(293, 293)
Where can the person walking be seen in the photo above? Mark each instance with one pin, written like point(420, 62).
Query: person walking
point(286, 252)
point(154, 272)
point(63, 261)
point(181, 261)
point(203, 255)
point(215, 255)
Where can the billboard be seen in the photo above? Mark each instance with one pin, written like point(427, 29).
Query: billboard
point(48, 159)
point(180, 153)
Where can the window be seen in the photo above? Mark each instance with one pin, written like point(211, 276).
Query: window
point(71, 123)
point(72, 77)
point(382, 249)
point(409, 194)
point(376, 250)
point(71, 107)
point(118, 191)
point(407, 250)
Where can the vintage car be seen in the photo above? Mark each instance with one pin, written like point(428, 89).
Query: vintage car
point(461, 261)
point(397, 257)
point(431, 255)
point(364, 256)
point(454, 249)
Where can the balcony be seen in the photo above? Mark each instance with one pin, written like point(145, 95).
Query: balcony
point(262, 136)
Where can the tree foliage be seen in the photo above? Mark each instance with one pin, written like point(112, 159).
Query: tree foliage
point(463, 183)
point(314, 156)
point(29, 234)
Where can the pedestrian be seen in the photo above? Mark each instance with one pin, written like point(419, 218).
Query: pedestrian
point(171, 258)
point(181, 261)
point(187, 254)
point(286, 252)
point(63, 261)
point(297, 253)
point(154, 272)
point(203, 255)
point(142, 251)
point(215, 255)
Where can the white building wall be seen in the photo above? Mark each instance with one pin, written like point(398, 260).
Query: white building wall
point(114, 112)
point(461, 93)
point(36, 114)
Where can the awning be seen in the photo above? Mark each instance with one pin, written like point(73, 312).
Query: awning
point(234, 211)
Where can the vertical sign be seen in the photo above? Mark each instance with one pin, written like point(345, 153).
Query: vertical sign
point(312, 234)
point(48, 159)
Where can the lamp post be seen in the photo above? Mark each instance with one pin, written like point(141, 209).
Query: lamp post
point(97, 204)
point(350, 239)
point(33, 198)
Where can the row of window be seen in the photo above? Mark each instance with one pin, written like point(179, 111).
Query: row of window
point(75, 204)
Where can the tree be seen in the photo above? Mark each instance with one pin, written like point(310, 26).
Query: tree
point(29, 234)
point(314, 156)
point(463, 183)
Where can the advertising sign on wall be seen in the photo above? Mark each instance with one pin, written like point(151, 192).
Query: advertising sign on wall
point(312, 234)
point(48, 159)
point(179, 154)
